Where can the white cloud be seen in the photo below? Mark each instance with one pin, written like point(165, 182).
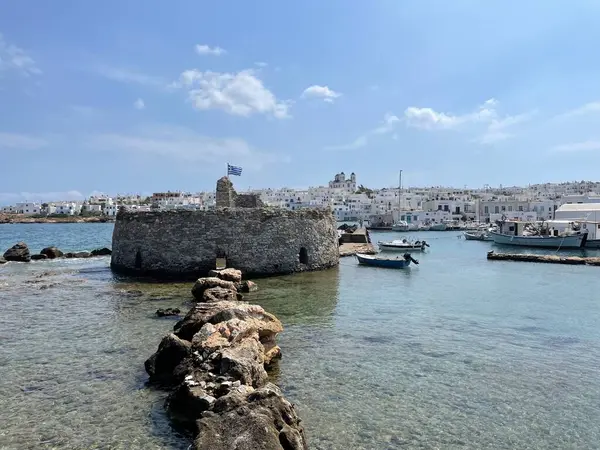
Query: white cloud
point(495, 127)
point(126, 75)
point(389, 122)
point(429, 119)
point(207, 50)
point(578, 147)
point(183, 145)
point(16, 59)
point(316, 91)
point(588, 108)
point(139, 104)
point(240, 94)
point(20, 141)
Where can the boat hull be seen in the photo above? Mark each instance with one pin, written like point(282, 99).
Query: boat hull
point(382, 262)
point(395, 248)
point(552, 242)
point(477, 237)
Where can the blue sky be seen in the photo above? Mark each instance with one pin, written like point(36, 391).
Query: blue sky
point(141, 96)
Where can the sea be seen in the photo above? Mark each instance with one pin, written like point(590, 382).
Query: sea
point(456, 352)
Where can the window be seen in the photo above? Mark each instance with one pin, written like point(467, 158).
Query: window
point(520, 208)
point(486, 209)
point(496, 209)
point(504, 208)
point(510, 208)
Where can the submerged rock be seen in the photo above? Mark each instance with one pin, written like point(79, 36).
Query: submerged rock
point(246, 286)
point(36, 257)
point(51, 252)
point(2, 260)
point(18, 252)
point(210, 282)
point(101, 252)
point(167, 312)
point(233, 275)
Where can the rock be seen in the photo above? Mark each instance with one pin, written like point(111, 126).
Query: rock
point(219, 294)
point(210, 282)
point(2, 260)
point(78, 255)
point(246, 286)
point(189, 401)
point(266, 324)
point(101, 251)
point(244, 361)
point(171, 352)
point(233, 275)
point(51, 252)
point(262, 420)
point(18, 252)
point(167, 312)
point(40, 256)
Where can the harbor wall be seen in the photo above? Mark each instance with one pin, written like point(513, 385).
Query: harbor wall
point(259, 241)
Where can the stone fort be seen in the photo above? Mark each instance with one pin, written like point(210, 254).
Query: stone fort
point(258, 240)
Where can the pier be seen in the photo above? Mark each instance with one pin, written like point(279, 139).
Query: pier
point(550, 259)
point(357, 242)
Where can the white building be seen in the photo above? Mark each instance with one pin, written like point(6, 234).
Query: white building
point(340, 182)
point(28, 208)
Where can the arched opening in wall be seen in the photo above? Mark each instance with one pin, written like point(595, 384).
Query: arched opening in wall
point(220, 259)
point(138, 260)
point(303, 256)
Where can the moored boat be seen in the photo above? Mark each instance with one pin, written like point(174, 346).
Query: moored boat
point(400, 226)
point(403, 245)
point(477, 236)
point(525, 234)
point(386, 262)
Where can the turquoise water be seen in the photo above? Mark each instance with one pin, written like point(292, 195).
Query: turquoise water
point(457, 352)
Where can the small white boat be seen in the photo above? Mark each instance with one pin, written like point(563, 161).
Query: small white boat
point(477, 236)
point(400, 226)
point(402, 245)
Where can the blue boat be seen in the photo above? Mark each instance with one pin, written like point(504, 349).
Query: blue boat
point(388, 262)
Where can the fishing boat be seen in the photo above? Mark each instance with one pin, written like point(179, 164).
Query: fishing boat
point(524, 234)
point(478, 235)
point(387, 262)
point(402, 245)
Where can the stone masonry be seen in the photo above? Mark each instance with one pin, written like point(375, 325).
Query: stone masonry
point(259, 241)
point(227, 197)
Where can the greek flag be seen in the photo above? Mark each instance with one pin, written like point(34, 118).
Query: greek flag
point(234, 170)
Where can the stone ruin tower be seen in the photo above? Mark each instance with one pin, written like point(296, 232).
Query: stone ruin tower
point(227, 197)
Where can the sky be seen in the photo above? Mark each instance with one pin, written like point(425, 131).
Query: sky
point(142, 96)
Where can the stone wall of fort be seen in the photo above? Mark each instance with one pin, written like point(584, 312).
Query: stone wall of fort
point(259, 241)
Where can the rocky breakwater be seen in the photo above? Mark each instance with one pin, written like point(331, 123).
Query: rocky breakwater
point(20, 253)
point(214, 364)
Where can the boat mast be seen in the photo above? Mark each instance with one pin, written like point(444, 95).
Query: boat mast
point(399, 192)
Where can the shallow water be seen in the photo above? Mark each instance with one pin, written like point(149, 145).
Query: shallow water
point(457, 352)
